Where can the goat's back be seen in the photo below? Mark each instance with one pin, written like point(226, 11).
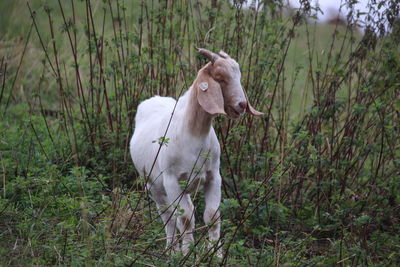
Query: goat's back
point(150, 123)
point(152, 109)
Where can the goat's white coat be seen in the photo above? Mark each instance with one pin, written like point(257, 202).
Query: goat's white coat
point(182, 150)
point(182, 156)
point(188, 157)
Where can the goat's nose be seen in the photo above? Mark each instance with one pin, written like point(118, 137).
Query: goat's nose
point(242, 106)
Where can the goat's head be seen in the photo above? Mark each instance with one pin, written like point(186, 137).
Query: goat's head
point(218, 86)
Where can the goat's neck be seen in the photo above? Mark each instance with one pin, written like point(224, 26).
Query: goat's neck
point(197, 120)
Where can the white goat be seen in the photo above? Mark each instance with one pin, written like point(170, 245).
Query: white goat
point(191, 152)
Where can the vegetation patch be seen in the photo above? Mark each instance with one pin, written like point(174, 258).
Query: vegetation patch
point(315, 182)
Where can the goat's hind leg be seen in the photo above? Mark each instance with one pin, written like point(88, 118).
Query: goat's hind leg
point(166, 211)
point(182, 203)
point(186, 223)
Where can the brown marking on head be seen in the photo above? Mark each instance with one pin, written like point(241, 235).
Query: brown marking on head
point(216, 90)
point(222, 76)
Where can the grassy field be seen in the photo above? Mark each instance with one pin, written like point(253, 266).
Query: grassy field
point(314, 182)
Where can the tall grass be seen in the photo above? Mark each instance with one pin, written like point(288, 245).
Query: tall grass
point(315, 181)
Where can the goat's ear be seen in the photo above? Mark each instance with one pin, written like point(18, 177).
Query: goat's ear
point(223, 54)
point(250, 109)
point(209, 94)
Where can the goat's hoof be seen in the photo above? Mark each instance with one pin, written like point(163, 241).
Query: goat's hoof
point(172, 250)
point(219, 253)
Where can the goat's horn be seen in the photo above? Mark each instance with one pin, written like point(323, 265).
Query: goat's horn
point(208, 54)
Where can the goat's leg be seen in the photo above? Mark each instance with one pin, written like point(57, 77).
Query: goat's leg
point(166, 211)
point(184, 206)
point(186, 223)
point(212, 191)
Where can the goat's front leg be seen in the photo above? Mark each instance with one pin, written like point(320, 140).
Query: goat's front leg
point(181, 202)
point(212, 190)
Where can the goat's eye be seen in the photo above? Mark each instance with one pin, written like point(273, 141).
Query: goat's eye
point(219, 79)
